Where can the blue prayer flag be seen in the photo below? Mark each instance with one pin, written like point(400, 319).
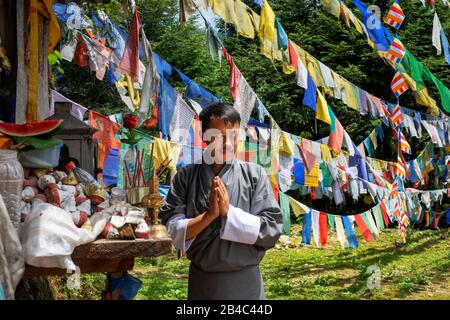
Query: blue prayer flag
point(306, 229)
point(310, 98)
point(352, 241)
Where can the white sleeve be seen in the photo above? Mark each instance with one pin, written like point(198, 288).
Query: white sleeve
point(177, 226)
point(240, 226)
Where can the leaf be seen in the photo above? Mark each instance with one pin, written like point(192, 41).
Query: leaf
point(57, 54)
point(59, 69)
point(37, 143)
point(52, 59)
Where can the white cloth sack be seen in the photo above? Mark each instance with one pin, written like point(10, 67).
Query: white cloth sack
point(49, 237)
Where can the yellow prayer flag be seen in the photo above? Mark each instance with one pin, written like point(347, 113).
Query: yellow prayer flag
point(162, 150)
point(314, 71)
point(423, 98)
point(350, 94)
point(267, 22)
point(224, 9)
point(377, 165)
point(344, 14)
point(286, 144)
point(269, 48)
point(297, 207)
point(409, 81)
point(312, 178)
point(288, 69)
point(326, 154)
point(331, 6)
point(357, 24)
point(244, 24)
point(322, 108)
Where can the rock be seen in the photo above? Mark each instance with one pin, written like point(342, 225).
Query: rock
point(367, 294)
point(35, 288)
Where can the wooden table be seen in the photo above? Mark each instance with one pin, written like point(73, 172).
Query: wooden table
point(108, 256)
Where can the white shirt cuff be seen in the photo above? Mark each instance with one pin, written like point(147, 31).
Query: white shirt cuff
point(240, 226)
point(177, 227)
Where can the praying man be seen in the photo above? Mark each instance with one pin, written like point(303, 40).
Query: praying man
point(223, 214)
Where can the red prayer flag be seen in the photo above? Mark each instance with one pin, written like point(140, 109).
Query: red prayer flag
point(293, 55)
point(323, 228)
point(81, 57)
point(309, 159)
point(235, 76)
point(335, 138)
point(385, 216)
point(364, 228)
point(129, 64)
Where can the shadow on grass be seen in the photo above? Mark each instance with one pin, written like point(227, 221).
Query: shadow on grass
point(334, 274)
point(370, 256)
point(306, 273)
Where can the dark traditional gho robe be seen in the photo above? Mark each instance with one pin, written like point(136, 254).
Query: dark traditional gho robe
point(225, 256)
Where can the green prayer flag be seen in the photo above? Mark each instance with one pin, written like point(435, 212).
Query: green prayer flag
point(286, 212)
point(420, 73)
point(380, 217)
point(327, 178)
point(330, 218)
point(366, 220)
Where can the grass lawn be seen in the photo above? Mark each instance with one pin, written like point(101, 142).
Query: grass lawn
point(419, 269)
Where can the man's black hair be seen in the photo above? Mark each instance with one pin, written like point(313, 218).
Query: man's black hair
point(222, 111)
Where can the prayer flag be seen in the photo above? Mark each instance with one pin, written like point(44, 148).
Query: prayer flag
point(396, 51)
point(310, 97)
point(130, 60)
point(398, 84)
point(363, 227)
point(322, 109)
point(395, 16)
point(396, 116)
point(404, 145)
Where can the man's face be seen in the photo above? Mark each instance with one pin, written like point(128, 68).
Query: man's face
point(222, 140)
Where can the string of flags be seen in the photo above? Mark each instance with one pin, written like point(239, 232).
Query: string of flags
point(370, 222)
point(380, 39)
point(395, 53)
point(318, 169)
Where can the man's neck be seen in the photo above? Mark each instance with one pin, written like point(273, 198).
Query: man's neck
point(216, 167)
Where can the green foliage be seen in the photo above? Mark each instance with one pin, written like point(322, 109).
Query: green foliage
point(37, 142)
point(132, 137)
point(54, 59)
point(92, 286)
